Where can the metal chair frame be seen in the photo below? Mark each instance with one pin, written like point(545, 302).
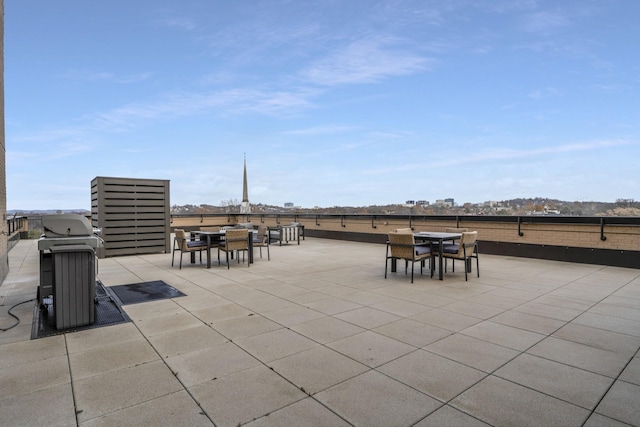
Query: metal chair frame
point(403, 246)
point(184, 245)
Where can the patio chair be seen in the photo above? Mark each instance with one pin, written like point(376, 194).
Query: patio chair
point(284, 234)
point(404, 230)
point(455, 230)
point(247, 225)
point(261, 240)
point(449, 243)
point(465, 251)
point(236, 240)
point(182, 244)
point(300, 228)
point(453, 246)
point(402, 246)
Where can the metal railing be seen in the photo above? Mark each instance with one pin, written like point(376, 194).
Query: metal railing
point(15, 224)
point(16, 228)
point(593, 240)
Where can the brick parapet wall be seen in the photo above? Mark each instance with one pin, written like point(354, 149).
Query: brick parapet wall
point(618, 237)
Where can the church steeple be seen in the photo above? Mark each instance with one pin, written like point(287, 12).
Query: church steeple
point(245, 207)
point(245, 190)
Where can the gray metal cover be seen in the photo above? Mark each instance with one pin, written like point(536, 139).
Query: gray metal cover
point(66, 225)
point(74, 285)
point(48, 242)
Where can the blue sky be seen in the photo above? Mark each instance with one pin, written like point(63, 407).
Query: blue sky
point(334, 102)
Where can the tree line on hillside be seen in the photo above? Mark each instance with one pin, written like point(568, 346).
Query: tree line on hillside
point(521, 206)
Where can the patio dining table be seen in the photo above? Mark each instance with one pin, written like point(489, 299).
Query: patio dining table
point(437, 238)
point(218, 236)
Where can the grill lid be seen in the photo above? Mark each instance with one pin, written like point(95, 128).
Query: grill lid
point(66, 225)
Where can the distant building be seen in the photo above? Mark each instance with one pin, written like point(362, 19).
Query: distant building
point(422, 203)
point(491, 204)
point(444, 203)
point(288, 205)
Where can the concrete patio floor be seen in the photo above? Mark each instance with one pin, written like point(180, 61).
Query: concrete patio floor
point(318, 337)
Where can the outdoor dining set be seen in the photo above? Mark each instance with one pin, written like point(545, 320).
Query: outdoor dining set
point(424, 246)
point(402, 244)
point(233, 241)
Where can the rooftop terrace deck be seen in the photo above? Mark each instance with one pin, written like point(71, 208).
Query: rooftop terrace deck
point(318, 337)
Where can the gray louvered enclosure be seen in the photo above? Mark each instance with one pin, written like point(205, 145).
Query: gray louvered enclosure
point(134, 215)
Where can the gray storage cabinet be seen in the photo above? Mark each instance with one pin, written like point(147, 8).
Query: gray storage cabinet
point(74, 285)
point(134, 215)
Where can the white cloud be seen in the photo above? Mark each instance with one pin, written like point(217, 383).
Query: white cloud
point(180, 23)
point(92, 76)
point(366, 61)
point(173, 106)
point(503, 154)
point(320, 130)
point(189, 103)
point(499, 155)
point(544, 22)
point(548, 92)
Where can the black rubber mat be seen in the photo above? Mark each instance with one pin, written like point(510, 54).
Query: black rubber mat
point(108, 311)
point(145, 292)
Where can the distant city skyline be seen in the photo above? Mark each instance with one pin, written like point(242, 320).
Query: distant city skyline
point(292, 205)
point(352, 103)
point(529, 206)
